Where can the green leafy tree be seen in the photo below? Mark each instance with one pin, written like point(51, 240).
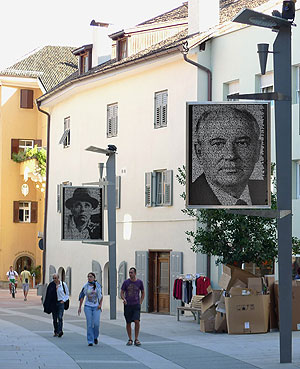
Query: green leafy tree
point(39, 154)
point(234, 239)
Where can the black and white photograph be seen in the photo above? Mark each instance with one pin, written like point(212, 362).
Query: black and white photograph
point(228, 155)
point(82, 214)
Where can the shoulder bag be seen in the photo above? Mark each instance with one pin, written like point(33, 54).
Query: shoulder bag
point(66, 303)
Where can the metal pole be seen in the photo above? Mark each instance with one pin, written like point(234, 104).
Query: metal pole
point(283, 116)
point(111, 213)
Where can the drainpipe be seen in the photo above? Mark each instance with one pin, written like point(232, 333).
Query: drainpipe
point(185, 51)
point(46, 192)
point(201, 67)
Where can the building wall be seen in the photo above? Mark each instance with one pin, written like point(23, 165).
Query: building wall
point(17, 239)
point(141, 149)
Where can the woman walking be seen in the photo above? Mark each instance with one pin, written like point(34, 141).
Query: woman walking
point(92, 291)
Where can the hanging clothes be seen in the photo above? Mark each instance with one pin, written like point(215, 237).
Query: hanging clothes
point(202, 283)
point(177, 289)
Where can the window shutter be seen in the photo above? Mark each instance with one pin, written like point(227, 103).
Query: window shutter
point(68, 279)
point(26, 99)
point(164, 109)
point(96, 268)
point(148, 189)
point(34, 212)
point(115, 120)
point(142, 271)
point(14, 146)
point(59, 197)
point(118, 192)
point(16, 212)
point(122, 273)
point(168, 187)
point(38, 143)
point(158, 107)
point(176, 267)
point(109, 121)
point(52, 271)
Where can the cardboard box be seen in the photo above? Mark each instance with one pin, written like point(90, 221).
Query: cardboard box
point(247, 314)
point(207, 321)
point(220, 305)
point(220, 323)
point(255, 284)
point(233, 274)
point(239, 284)
point(209, 300)
point(295, 304)
point(237, 291)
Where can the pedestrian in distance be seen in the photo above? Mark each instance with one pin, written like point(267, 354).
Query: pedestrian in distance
point(92, 292)
point(12, 276)
point(25, 277)
point(297, 276)
point(132, 294)
point(56, 295)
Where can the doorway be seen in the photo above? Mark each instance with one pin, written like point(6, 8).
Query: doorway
point(159, 282)
point(21, 262)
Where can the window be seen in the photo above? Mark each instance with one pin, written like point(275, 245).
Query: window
point(85, 63)
point(25, 212)
point(23, 144)
point(66, 137)
point(159, 188)
point(267, 82)
point(26, 99)
point(122, 48)
point(112, 120)
point(26, 145)
point(160, 109)
point(231, 88)
point(298, 180)
point(84, 54)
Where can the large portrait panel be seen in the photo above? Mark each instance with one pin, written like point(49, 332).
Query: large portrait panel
point(82, 213)
point(228, 155)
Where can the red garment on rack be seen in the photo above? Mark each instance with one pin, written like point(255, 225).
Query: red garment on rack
point(202, 284)
point(177, 289)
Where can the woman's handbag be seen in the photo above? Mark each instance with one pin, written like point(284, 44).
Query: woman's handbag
point(66, 303)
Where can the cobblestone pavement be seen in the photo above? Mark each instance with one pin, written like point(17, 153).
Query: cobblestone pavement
point(26, 341)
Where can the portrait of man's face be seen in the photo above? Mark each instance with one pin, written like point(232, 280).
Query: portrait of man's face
point(228, 155)
point(228, 152)
point(82, 213)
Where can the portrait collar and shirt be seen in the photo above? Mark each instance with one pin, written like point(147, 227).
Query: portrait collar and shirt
point(227, 200)
point(72, 232)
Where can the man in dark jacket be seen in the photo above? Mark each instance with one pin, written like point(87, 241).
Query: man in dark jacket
point(57, 293)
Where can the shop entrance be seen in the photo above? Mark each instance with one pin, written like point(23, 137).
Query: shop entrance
point(159, 281)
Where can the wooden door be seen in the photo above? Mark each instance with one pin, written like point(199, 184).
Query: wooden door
point(159, 282)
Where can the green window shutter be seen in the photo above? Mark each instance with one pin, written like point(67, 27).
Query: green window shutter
point(158, 108)
point(96, 268)
point(109, 121)
point(142, 272)
point(52, 271)
point(122, 274)
point(112, 120)
point(68, 279)
point(164, 109)
point(115, 120)
point(168, 187)
point(148, 189)
point(176, 268)
point(118, 192)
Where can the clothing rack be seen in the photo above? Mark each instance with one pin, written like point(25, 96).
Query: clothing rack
point(190, 276)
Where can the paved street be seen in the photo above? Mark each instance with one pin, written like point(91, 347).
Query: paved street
point(26, 342)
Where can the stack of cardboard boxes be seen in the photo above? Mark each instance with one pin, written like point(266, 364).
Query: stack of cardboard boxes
point(242, 306)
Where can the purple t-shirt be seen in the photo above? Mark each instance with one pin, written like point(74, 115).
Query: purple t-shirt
point(132, 291)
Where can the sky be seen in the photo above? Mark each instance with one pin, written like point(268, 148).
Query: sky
point(27, 25)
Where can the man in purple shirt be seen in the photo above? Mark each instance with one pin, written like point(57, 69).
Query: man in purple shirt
point(132, 299)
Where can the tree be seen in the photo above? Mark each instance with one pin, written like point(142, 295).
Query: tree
point(234, 239)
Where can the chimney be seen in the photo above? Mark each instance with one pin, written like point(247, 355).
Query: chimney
point(202, 15)
point(101, 43)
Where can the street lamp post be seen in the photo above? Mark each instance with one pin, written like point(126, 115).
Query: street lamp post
point(111, 217)
point(282, 97)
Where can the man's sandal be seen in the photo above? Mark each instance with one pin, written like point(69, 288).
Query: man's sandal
point(137, 343)
point(129, 343)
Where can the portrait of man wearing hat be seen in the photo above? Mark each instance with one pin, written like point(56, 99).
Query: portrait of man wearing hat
point(81, 210)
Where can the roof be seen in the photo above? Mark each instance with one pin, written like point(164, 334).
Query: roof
point(228, 8)
point(51, 64)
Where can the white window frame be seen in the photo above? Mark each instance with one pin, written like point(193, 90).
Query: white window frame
point(25, 147)
point(65, 139)
point(25, 207)
point(161, 109)
point(298, 179)
point(112, 120)
point(267, 82)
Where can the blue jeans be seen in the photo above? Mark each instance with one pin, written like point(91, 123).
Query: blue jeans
point(92, 315)
point(57, 316)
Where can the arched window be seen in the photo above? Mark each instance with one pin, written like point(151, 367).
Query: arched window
point(62, 274)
